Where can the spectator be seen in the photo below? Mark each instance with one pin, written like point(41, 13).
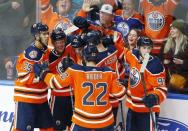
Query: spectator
point(12, 16)
point(66, 8)
point(132, 38)
point(158, 16)
point(183, 6)
point(176, 57)
point(127, 18)
point(53, 19)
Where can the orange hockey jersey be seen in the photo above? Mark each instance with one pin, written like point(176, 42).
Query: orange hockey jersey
point(157, 21)
point(27, 87)
point(109, 58)
point(93, 87)
point(154, 76)
point(55, 67)
point(52, 19)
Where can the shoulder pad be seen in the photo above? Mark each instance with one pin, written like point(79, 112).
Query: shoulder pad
point(135, 52)
point(76, 67)
point(33, 53)
point(154, 65)
point(53, 56)
point(106, 68)
point(111, 48)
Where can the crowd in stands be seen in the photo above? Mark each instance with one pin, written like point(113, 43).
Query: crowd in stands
point(130, 18)
point(16, 18)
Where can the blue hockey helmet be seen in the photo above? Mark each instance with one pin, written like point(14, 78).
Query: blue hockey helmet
point(93, 37)
point(90, 53)
point(58, 34)
point(38, 27)
point(144, 41)
point(77, 42)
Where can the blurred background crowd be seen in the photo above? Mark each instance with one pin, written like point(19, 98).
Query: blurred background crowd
point(17, 16)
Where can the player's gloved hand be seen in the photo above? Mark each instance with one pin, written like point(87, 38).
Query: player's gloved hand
point(123, 82)
point(66, 62)
point(40, 70)
point(80, 22)
point(107, 40)
point(93, 15)
point(150, 100)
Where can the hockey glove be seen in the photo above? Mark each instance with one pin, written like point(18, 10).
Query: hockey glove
point(93, 15)
point(150, 100)
point(66, 62)
point(107, 40)
point(123, 82)
point(40, 70)
point(80, 22)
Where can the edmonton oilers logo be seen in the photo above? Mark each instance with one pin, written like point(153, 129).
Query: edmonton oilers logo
point(165, 124)
point(123, 28)
point(134, 77)
point(60, 68)
point(155, 20)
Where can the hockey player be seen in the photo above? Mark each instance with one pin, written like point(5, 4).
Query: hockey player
point(107, 56)
point(30, 94)
point(146, 93)
point(93, 87)
point(78, 44)
point(61, 106)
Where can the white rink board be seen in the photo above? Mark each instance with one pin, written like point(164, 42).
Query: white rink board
point(174, 116)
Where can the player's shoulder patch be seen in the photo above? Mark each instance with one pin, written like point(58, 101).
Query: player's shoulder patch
point(33, 53)
point(154, 65)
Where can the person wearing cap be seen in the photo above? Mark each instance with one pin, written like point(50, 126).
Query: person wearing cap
point(176, 56)
point(30, 94)
point(106, 25)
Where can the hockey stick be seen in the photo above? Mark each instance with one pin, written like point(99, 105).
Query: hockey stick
point(11, 126)
point(142, 69)
point(71, 29)
point(72, 100)
point(121, 124)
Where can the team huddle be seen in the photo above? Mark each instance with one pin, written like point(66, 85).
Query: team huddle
point(88, 72)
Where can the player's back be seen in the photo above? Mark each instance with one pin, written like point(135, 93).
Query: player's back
point(93, 87)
